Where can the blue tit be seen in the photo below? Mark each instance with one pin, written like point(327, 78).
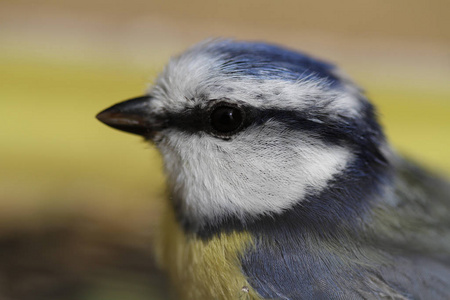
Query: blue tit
point(282, 184)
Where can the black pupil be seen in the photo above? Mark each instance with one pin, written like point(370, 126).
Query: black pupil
point(226, 119)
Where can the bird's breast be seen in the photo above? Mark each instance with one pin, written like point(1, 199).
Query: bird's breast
point(204, 268)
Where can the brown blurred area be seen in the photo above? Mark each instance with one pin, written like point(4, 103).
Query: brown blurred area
point(411, 33)
point(80, 203)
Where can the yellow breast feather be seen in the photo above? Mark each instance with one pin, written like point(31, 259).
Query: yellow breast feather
point(204, 269)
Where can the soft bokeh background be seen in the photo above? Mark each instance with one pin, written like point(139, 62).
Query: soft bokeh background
point(79, 202)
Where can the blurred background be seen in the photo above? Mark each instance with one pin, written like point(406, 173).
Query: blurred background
point(79, 202)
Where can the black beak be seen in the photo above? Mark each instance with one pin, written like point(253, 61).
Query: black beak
point(132, 116)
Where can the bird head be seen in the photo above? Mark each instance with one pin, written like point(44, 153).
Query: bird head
point(248, 129)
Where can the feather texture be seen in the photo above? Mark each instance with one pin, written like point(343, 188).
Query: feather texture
point(304, 199)
point(399, 248)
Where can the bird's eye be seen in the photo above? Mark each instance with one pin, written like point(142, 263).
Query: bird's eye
point(225, 119)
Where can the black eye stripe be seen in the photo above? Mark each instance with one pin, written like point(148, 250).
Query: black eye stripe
point(331, 131)
point(199, 120)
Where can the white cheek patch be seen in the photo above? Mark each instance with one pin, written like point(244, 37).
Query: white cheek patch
point(261, 171)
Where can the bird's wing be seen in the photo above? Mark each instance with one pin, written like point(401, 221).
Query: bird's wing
point(413, 227)
point(416, 216)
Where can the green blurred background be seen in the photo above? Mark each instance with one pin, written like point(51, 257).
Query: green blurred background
point(79, 202)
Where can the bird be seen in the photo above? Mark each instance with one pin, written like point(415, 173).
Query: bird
point(281, 183)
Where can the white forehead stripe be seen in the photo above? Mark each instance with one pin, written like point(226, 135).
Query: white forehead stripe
point(260, 172)
point(187, 79)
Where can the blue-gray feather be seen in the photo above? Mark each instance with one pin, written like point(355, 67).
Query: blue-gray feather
point(265, 61)
point(381, 229)
point(397, 248)
point(369, 226)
